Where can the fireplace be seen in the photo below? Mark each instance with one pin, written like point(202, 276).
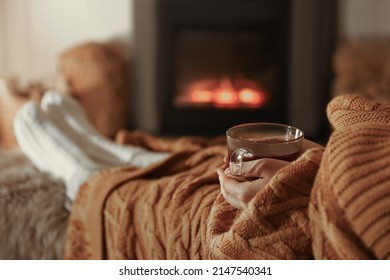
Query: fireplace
point(201, 66)
point(226, 70)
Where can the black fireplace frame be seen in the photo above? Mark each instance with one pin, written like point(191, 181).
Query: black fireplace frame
point(304, 80)
point(220, 15)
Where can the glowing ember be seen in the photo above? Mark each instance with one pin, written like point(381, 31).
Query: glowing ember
point(225, 97)
point(252, 97)
point(227, 93)
point(201, 96)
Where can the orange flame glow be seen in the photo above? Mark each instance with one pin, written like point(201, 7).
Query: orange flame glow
point(201, 96)
point(225, 93)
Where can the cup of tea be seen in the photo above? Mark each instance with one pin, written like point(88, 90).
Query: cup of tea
point(253, 141)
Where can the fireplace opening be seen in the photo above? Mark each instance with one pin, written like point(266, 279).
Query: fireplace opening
point(223, 92)
point(202, 66)
point(222, 69)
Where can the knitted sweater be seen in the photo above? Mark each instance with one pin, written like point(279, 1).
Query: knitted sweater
point(350, 202)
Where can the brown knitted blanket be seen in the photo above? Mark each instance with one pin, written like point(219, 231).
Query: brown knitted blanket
point(174, 209)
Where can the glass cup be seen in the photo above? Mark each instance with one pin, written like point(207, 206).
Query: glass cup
point(253, 141)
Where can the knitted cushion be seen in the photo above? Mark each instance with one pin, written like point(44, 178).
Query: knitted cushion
point(96, 74)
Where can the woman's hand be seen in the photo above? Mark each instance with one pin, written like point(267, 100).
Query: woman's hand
point(239, 191)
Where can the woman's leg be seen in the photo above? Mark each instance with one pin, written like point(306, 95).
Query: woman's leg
point(67, 113)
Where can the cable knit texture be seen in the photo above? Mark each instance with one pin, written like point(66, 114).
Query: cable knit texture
point(174, 210)
point(350, 203)
point(328, 204)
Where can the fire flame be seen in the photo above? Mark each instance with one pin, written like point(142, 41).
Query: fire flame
point(225, 93)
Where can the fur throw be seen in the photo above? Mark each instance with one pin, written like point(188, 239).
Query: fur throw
point(33, 219)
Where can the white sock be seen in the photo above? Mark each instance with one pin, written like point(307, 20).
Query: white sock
point(70, 122)
point(68, 114)
point(51, 150)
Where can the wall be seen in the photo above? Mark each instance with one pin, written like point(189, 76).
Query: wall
point(34, 32)
point(364, 18)
point(1, 36)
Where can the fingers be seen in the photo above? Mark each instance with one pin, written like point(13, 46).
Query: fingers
point(226, 158)
point(225, 162)
point(262, 168)
point(227, 185)
point(239, 193)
